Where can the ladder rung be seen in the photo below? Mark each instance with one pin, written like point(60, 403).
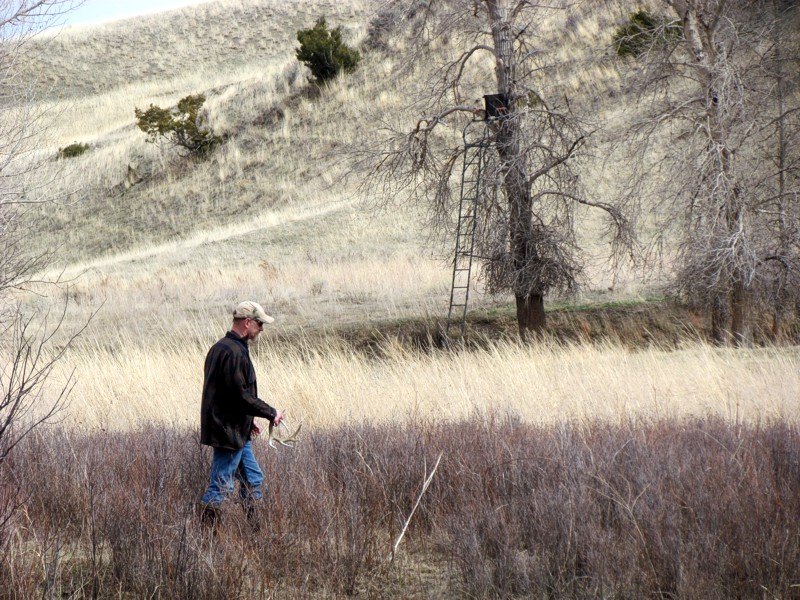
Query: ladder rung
point(471, 186)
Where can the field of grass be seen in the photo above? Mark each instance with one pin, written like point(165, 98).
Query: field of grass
point(130, 386)
point(634, 433)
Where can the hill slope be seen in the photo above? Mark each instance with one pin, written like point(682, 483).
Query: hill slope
point(267, 215)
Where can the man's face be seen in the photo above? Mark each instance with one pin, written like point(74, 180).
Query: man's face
point(253, 328)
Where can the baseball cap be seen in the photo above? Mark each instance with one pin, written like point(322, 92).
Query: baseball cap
point(251, 310)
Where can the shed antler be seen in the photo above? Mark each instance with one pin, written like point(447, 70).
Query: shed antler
point(290, 440)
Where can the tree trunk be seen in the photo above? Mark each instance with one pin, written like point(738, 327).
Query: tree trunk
point(719, 321)
point(740, 309)
point(530, 301)
point(701, 34)
point(530, 315)
point(782, 208)
point(777, 324)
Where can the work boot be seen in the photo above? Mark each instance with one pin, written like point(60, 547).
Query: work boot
point(252, 514)
point(209, 516)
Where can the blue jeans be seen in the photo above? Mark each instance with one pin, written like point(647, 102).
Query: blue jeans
point(228, 465)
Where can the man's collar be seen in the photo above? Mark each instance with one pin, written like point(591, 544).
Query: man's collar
point(235, 336)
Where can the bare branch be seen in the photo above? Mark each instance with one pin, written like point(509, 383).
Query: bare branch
point(557, 161)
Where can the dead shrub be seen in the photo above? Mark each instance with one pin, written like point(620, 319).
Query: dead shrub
point(693, 508)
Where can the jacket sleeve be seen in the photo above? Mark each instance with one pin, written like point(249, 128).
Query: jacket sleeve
point(239, 386)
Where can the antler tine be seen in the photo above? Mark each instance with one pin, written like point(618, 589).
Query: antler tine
point(290, 441)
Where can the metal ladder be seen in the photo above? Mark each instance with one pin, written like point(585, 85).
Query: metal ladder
point(471, 191)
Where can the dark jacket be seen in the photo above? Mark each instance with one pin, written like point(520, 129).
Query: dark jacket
point(230, 395)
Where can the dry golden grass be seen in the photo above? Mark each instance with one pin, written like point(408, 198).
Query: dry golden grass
point(134, 385)
point(213, 39)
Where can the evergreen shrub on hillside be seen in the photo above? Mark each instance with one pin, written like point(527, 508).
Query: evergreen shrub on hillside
point(324, 53)
point(642, 32)
point(185, 126)
point(73, 150)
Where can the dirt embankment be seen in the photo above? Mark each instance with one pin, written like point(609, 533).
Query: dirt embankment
point(664, 323)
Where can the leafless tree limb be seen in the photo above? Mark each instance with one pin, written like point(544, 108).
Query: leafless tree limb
point(711, 101)
point(29, 394)
point(525, 235)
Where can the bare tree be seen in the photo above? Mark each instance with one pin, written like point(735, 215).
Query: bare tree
point(526, 234)
point(781, 71)
point(709, 129)
point(28, 394)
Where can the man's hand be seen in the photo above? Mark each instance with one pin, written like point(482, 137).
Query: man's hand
point(255, 430)
point(278, 418)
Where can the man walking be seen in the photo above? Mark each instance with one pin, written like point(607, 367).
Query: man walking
point(230, 401)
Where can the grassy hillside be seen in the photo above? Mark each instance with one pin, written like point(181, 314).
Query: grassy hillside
point(204, 43)
point(125, 192)
point(264, 217)
point(267, 215)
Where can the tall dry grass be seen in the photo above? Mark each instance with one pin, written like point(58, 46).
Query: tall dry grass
point(129, 385)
